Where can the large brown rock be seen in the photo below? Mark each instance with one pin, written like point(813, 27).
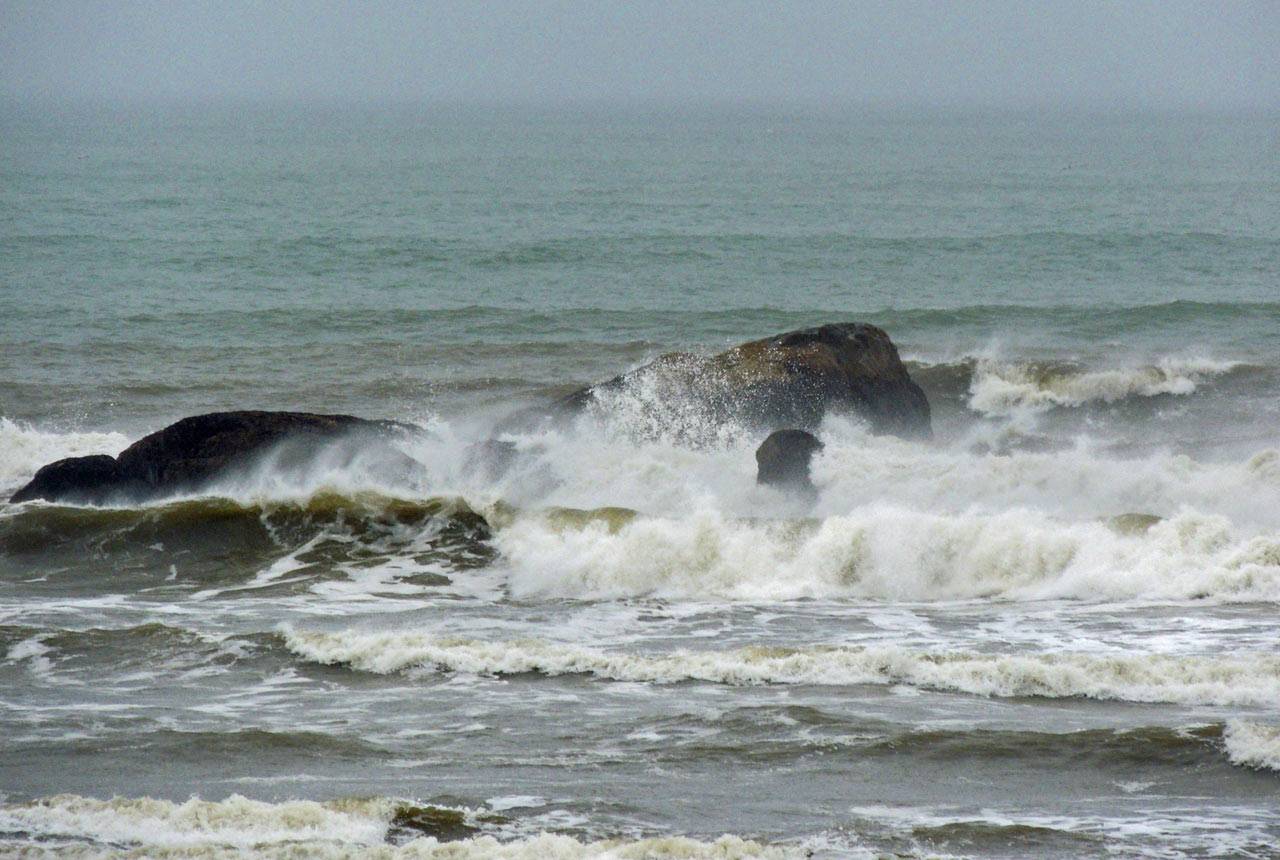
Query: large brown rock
point(188, 455)
point(788, 380)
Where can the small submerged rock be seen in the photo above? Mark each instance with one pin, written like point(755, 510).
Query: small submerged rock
point(443, 824)
point(440, 823)
point(1132, 523)
point(613, 518)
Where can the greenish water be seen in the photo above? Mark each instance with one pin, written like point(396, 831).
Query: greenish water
point(953, 648)
point(359, 259)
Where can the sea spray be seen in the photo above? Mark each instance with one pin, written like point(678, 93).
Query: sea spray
point(24, 449)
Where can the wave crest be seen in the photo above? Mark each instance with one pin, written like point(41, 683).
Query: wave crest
point(888, 553)
point(1008, 388)
point(1254, 745)
point(71, 825)
point(1253, 680)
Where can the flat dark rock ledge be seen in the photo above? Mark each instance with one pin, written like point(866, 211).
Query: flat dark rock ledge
point(189, 455)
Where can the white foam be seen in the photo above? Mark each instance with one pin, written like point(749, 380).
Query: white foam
point(36, 653)
point(1251, 744)
point(589, 466)
point(887, 552)
point(237, 826)
point(234, 822)
point(1240, 680)
point(1075, 483)
point(515, 801)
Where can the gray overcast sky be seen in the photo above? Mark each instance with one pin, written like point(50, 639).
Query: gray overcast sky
point(981, 52)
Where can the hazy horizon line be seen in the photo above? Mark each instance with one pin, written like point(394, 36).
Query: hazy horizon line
point(634, 104)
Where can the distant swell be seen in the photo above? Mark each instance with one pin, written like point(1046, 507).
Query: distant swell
point(1238, 680)
point(512, 323)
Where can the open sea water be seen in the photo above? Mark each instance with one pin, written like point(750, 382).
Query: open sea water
point(965, 647)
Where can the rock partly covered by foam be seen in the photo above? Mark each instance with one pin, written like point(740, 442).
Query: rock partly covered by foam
point(1132, 523)
point(788, 380)
point(782, 460)
point(190, 454)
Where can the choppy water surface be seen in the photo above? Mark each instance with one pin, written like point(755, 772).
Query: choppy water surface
point(624, 646)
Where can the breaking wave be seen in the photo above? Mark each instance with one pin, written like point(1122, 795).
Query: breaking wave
point(1000, 388)
point(889, 552)
point(876, 552)
point(1239, 680)
point(1255, 745)
point(890, 520)
point(75, 826)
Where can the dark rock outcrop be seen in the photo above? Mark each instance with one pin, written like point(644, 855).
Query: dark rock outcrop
point(782, 460)
point(789, 380)
point(191, 453)
point(84, 478)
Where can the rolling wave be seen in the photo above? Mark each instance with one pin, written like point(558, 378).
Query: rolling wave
point(1252, 744)
point(1240, 680)
point(74, 826)
point(889, 553)
point(251, 530)
point(876, 551)
point(492, 325)
point(1002, 388)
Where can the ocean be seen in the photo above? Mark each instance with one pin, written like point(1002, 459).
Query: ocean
point(1051, 631)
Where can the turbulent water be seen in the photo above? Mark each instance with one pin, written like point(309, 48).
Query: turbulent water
point(1051, 631)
